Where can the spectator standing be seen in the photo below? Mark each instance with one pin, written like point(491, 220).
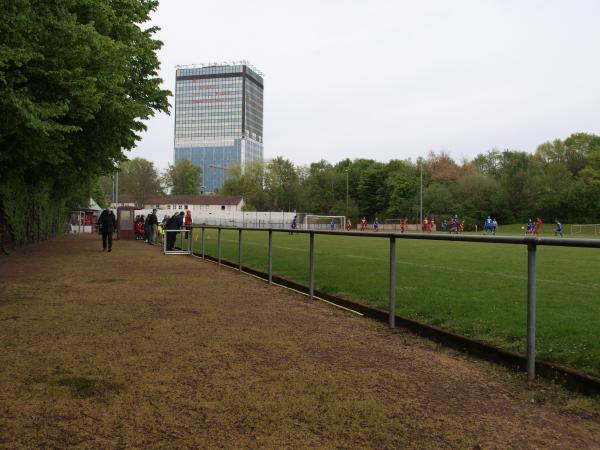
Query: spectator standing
point(172, 224)
point(188, 222)
point(152, 223)
point(108, 224)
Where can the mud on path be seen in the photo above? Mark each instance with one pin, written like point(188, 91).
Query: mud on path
point(136, 349)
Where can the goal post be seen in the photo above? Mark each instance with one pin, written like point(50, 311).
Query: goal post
point(585, 228)
point(319, 222)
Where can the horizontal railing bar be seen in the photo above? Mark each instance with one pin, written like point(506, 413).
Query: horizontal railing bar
point(526, 240)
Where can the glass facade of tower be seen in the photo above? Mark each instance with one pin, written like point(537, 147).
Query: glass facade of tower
point(218, 118)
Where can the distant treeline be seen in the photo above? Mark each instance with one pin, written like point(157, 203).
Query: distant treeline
point(561, 180)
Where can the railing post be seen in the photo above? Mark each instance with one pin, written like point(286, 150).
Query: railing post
point(240, 250)
point(219, 246)
point(312, 265)
point(392, 282)
point(270, 256)
point(203, 243)
point(531, 307)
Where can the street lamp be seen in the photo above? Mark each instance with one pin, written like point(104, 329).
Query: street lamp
point(421, 193)
point(347, 170)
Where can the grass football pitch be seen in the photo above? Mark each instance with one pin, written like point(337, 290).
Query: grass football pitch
point(476, 290)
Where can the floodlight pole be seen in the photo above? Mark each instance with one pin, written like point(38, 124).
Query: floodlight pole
point(347, 170)
point(421, 195)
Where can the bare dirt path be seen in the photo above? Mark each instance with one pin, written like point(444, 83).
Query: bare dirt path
point(137, 349)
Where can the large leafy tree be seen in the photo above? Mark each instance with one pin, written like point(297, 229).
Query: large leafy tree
point(183, 178)
point(282, 184)
point(249, 183)
point(77, 79)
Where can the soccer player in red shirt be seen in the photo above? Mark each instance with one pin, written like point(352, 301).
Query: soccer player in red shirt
point(363, 223)
point(538, 227)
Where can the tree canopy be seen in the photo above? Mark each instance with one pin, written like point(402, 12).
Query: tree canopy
point(183, 178)
point(77, 79)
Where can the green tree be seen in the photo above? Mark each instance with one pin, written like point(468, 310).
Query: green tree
point(371, 190)
point(183, 178)
point(249, 183)
point(578, 146)
point(479, 196)
point(140, 179)
point(282, 185)
point(439, 198)
point(77, 80)
point(403, 186)
point(489, 163)
point(319, 187)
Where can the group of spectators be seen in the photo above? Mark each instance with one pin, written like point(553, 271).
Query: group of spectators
point(149, 228)
point(146, 227)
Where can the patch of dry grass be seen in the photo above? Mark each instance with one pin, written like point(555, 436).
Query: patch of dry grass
point(135, 349)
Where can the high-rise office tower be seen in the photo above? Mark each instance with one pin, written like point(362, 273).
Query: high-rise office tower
point(218, 118)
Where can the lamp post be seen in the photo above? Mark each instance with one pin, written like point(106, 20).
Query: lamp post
point(347, 171)
point(421, 193)
point(221, 167)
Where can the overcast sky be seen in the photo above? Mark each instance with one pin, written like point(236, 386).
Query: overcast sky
point(393, 79)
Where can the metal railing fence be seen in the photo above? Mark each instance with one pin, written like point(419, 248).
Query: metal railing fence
point(529, 241)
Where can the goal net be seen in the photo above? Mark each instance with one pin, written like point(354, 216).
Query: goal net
point(317, 222)
point(588, 228)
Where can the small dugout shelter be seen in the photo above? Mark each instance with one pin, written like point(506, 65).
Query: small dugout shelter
point(125, 222)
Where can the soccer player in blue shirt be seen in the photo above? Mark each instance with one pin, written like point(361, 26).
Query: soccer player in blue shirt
point(558, 229)
point(332, 224)
point(489, 225)
point(376, 224)
point(294, 224)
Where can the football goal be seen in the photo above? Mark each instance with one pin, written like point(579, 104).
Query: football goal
point(585, 228)
point(317, 222)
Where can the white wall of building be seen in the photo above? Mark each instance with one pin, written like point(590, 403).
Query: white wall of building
point(257, 219)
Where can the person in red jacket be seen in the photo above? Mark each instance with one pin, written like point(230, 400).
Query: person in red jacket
point(188, 222)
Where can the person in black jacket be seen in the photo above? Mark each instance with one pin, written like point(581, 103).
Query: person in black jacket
point(172, 224)
point(108, 224)
point(152, 223)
